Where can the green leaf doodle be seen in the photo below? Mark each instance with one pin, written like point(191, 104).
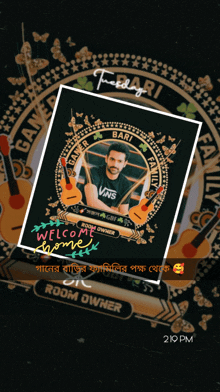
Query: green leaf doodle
point(97, 136)
point(83, 84)
point(187, 110)
point(51, 223)
point(143, 147)
point(82, 252)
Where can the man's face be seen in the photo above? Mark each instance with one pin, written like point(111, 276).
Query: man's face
point(115, 162)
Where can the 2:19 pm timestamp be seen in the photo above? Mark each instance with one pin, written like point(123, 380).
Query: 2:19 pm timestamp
point(175, 338)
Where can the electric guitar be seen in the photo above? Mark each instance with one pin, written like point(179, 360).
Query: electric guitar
point(71, 194)
point(139, 213)
point(194, 245)
point(14, 197)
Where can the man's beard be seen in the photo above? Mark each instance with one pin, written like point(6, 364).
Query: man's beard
point(114, 171)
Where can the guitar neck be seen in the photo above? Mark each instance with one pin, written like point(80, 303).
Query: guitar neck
point(12, 183)
point(151, 199)
point(66, 175)
point(205, 231)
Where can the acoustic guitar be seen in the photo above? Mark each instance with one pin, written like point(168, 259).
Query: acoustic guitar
point(14, 197)
point(191, 248)
point(139, 213)
point(71, 194)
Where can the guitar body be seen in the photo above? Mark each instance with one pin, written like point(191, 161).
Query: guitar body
point(13, 210)
point(139, 213)
point(180, 253)
point(72, 195)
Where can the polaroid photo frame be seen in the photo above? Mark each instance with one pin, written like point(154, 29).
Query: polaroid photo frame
point(109, 184)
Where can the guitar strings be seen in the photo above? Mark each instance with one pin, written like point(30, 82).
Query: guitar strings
point(209, 165)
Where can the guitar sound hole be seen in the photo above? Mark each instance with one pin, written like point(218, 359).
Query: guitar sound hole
point(69, 186)
point(144, 208)
point(16, 201)
point(189, 250)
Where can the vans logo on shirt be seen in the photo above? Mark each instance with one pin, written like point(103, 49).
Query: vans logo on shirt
point(106, 192)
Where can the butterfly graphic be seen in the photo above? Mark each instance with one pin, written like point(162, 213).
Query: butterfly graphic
point(169, 151)
point(162, 140)
point(200, 299)
point(151, 238)
point(206, 83)
point(33, 65)
point(69, 133)
point(215, 293)
point(86, 121)
point(83, 54)
point(79, 114)
point(203, 322)
point(50, 198)
point(169, 160)
point(97, 122)
point(55, 204)
point(151, 134)
point(148, 228)
point(186, 87)
point(18, 81)
point(180, 324)
point(38, 37)
point(159, 133)
point(56, 50)
point(47, 212)
point(73, 124)
point(14, 97)
point(69, 41)
point(183, 306)
point(171, 139)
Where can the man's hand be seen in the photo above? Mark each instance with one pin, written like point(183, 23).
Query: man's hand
point(115, 209)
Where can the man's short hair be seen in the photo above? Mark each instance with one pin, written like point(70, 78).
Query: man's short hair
point(120, 148)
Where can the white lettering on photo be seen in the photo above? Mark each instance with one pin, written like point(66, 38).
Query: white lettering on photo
point(106, 192)
point(117, 84)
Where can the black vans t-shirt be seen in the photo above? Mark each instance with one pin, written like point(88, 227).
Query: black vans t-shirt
point(110, 192)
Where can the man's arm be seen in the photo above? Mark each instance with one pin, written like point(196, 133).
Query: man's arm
point(123, 209)
point(92, 199)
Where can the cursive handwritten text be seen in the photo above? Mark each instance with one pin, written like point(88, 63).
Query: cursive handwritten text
point(118, 83)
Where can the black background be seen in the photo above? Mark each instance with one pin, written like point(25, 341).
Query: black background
point(39, 345)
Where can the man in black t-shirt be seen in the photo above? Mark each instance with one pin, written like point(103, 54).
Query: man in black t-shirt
point(109, 185)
